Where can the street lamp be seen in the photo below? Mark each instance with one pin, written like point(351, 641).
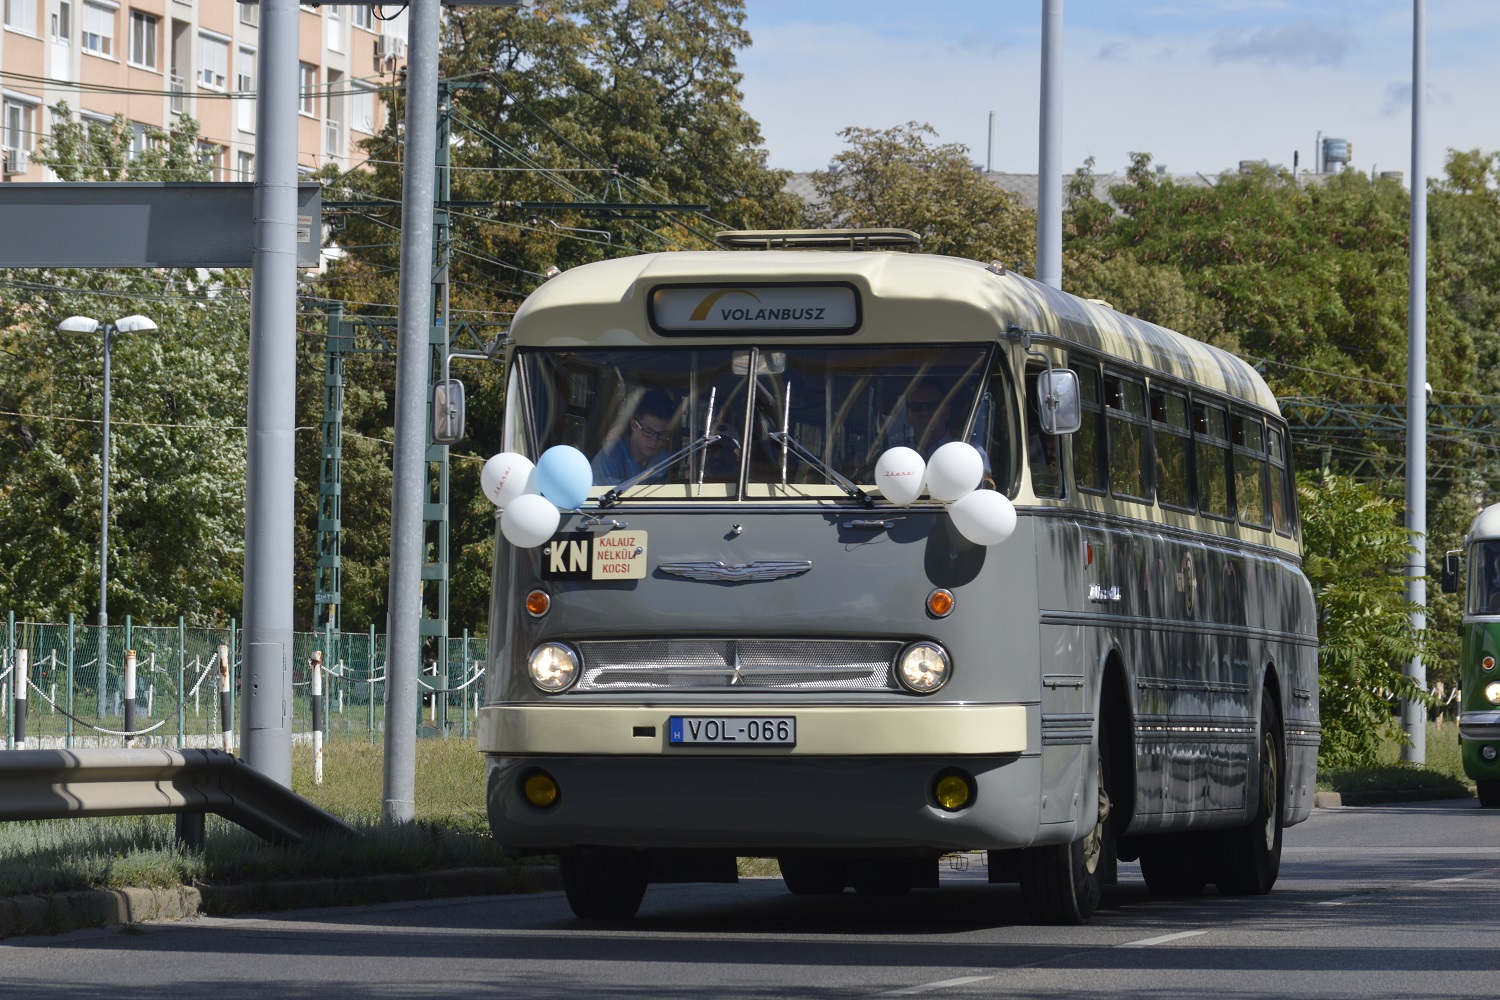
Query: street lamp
point(83, 324)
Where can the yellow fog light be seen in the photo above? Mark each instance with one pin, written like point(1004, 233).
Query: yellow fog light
point(540, 789)
point(953, 790)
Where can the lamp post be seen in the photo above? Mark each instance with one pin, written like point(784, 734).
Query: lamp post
point(85, 325)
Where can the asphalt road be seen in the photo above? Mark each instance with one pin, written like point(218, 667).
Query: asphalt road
point(1379, 901)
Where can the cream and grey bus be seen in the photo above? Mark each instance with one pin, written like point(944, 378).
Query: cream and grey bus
point(754, 638)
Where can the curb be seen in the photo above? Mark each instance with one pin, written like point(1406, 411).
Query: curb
point(61, 912)
point(1335, 800)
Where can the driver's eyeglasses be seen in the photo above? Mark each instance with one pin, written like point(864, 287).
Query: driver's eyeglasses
point(916, 406)
point(647, 432)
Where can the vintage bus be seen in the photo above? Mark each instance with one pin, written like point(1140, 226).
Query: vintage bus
point(740, 646)
point(1479, 678)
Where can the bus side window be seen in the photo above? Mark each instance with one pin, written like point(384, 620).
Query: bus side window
point(1211, 448)
point(1042, 456)
point(1484, 579)
point(1125, 410)
point(1250, 470)
point(1174, 449)
point(1283, 496)
point(1088, 441)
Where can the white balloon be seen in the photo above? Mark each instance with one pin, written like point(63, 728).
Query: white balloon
point(529, 520)
point(898, 475)
point(953, 470)
point(984, 517)
point(506, 476)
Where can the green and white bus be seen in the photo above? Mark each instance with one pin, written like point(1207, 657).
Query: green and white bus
point(1479, 678)
point(797, 630)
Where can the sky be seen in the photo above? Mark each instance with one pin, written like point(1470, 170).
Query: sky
point(1198, 84)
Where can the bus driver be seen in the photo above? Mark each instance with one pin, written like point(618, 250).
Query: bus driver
point(648, 433)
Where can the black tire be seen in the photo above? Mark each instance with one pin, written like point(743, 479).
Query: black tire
point(882, 878)
point(1063, 883)
point(1174, 864)
point(1247, 859)
point(603, 885)
point(1489, 792)
point(813, 876)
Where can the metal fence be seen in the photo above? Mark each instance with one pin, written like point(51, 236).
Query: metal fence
point(75, 686)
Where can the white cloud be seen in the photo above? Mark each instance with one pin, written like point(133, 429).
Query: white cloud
point(1302, 43)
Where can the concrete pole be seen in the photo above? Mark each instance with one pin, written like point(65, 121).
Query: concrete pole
point(1049, 181)
point(1414, 714)
point(404, 649)
point(270, 474)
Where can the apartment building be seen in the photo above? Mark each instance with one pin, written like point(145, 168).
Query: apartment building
point(153, 60)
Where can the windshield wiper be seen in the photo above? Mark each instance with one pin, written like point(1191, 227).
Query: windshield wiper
point(613, 496)
point(786, 440)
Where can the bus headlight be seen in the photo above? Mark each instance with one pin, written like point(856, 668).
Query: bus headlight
point(922, 667)
point(1492, 692)
point(553, 666)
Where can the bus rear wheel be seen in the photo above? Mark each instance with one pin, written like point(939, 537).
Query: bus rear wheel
point(1489, 792)
point(1248, 858)
point(603, 885)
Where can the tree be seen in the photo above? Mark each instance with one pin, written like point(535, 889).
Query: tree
point(177, 427)
point(1355, 548)
point(897, 178)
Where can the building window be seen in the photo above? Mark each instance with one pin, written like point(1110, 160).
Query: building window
point(212, 157)
point(98, 29)
point(213, 62)
point(139, 140)
point(333, 27)
point(364, 17)
point(244, 85)
point(249, 14)
point(62, 22)
point(16, 125)
point(362, 109)
point(143, 39)
point(307, 97)
point(20, 15)
point(245, 164)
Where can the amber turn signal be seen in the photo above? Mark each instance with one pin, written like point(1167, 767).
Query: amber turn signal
point(940, 603)
point(537, 603)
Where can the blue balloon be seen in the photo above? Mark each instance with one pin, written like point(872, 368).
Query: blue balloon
point(564, 476)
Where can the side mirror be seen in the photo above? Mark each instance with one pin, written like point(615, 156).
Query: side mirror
point(1058, 400)
point(447, 411)
point(1450, 572)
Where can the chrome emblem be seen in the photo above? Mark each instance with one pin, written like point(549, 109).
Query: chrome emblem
point(722, 572)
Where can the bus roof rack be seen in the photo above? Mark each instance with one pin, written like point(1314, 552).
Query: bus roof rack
point(816, 239)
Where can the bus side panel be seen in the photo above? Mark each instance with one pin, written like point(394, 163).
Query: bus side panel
point(1479, 720)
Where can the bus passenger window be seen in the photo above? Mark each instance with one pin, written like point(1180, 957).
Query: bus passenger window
point(1088, 442)
point(1283, 497)
point(1125, 408)
point(1483, 590)
point(1169, 427)
point(1250, 471)
point(1042, 456)
point(1211, 445)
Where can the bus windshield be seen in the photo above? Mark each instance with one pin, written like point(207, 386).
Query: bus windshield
point(1484, 578)
point(715, 421)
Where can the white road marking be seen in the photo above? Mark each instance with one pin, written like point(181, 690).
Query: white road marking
point(1357, 897)
point(941, 984)
point(1148, 942)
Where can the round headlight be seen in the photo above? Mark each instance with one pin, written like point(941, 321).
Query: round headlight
point(922, 667)
point(553, 666)
point(1492, 692)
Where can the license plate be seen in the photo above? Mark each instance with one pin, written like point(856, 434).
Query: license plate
point(583, 555)
point(734, 730)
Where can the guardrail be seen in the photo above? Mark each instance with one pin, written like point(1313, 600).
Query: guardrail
point(60, 784)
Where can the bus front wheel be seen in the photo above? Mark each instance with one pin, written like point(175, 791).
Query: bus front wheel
point(1063, 883)
point(1489, 792)
point(603, 885)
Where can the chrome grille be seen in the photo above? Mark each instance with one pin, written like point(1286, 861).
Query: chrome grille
point(750, 664)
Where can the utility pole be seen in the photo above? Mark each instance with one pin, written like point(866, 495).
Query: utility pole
point(1414, 713)
point(1049, 180)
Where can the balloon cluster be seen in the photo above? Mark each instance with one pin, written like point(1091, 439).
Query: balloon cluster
point(531, 495)
point(984, 517)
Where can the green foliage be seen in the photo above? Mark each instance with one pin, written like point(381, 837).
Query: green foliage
point(1356, 548)
point(897, 178)
point(80, 150)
